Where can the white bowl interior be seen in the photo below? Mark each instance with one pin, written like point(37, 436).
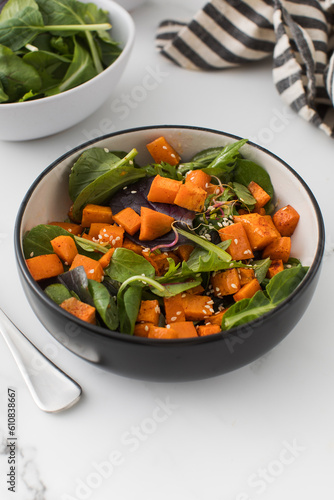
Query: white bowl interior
point(49, 201)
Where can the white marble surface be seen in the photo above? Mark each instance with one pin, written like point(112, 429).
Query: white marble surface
point(263, 431)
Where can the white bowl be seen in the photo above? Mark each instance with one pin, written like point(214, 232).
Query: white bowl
point(49, 115)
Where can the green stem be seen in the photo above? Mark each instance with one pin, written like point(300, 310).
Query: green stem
point(74, 27)
point(143, 279)
point(94, 53)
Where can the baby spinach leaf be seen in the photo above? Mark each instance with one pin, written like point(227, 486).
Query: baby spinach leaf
point(126, 263)
point(261, 268)
point(50, 67)
point(278, 289)
point(101, 189)
point(201, 260)
point(246, 171)
point(89, 166)
point(3, 96)
point(225, 161)
point(244, 194)
point(16, 76)
point(128, 304)
point(20, 21)
point(58, 292)
point(76, 280)
point(104, 303)
point(37, 240)
point(171, 289)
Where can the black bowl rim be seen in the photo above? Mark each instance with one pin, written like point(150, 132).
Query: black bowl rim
point(113, 335)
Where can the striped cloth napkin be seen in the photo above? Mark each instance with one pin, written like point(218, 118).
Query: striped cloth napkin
point(298, 34)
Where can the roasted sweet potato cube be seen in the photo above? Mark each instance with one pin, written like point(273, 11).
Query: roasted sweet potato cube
point(95, 228)
point(45, 266)
point(96, 213)
point(245, 275)
point(216, 319)
point(128, 219)
point(65, 248)
point(92, 267)
point(112, 234)
point(191, 197)
point(184, 251)
point(278, 249)
point(161, 150)
point(208, 329)
point(184, 329)
point(261, 196)
point(81, 310)
point(197, 290)
point(154, 224)
point(162, 333)
point(143, 329)
point(106, 258)
point(260, 229)
point(240, 248)
point(286, 220)
point(163, 190)
point(174, 311)
point(247, 291)
point(130, 245)
point(225, 282)
point(149, 312)
point(276, 267)
point(198, 178)
point(72, 228)
point(197, 307)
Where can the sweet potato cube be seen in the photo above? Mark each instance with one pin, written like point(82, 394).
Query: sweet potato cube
point(245, 275)
point(143, 329)
point(92, 267)
point(149, 312)
point(199, 178)
point(196, 307)
point(174, 310)
point(225, 282)
point(106, 258)
point(191, 197)
point(161, 150)
point(112, 234)
point(261, 196)
point(247, 291)
point(214, 189)
point(286, 220)
point(72, 228)
point(163, 190)
point(216, 319)
point(158, 261)
point(184, 251)
point(95, 228)
point(153, 224)
point(260, 229)
point(128, 219)
point(197, 290)
point(240, 248)
point(162, 333)
point(130, 245)
point(96, 213)
point(184, 329)
point(208, 329)
point(81, 310)
point(65, 248)
point(278, 249)
point(276, 267)
point(45, 266)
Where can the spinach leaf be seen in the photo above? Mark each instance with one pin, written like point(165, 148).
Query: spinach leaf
point(58, 292)
point(101, 189)
point(225, 161)
point(37, 240)
point(201, 261)
point(3, 96)
point(128, 304)
point(244, 195)
point(104, 303)
point(20, 21)
point(89, 166)
point(80, 70)
point(126, 263)
point(261, 268)
point(171, 289)
point(16, 76)
point(278, 289)
point(50, 67)
point(246, 171)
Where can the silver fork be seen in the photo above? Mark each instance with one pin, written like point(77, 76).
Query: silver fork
point(51, 388)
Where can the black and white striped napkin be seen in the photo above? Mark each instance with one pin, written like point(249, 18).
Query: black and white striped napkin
point(297, 34)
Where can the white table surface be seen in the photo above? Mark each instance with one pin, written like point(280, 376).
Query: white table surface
point(263, 431)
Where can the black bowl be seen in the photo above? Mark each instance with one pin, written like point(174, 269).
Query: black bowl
point(183, 359)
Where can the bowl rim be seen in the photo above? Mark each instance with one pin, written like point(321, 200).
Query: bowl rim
point(127, 47)
point(121, 337)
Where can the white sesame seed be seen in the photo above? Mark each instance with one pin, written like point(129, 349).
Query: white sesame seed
point(220, 224)
point(173, 155)
point(69, 230)
point(31, 254)
point(167, 326)
point(66, 263)
point(178, 313)
point(157, 309)
point(106, 150)
point(113, 242)
point(233, 285)
point(174, 318)
point(164, 147)
point(217, 289)
point(117, 238)
point(236, 241)
point(146, 328)
point(91, 271)
point(125, 187)
point(204, 311)
point(183, 295)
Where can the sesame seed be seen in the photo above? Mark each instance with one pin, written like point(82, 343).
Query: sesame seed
point(167, 326)
point(117, 238)
point(143, 274)
point(157, 309)
point(217, 289)
point(69, 230)
point(146, 328)
point(183, 295)
point(178, 313)
point(125, 187)
point(31, 254)
point(106, 150)
point(164, 147)
point(113, 242)
point(174, 318)
point(133, 192)
point(233, 285)
point(220, 224)
point(173, 155)
point(204, 311)
point(236, 241)
point(131, 162)
point(91, 271)
point(66, 263)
